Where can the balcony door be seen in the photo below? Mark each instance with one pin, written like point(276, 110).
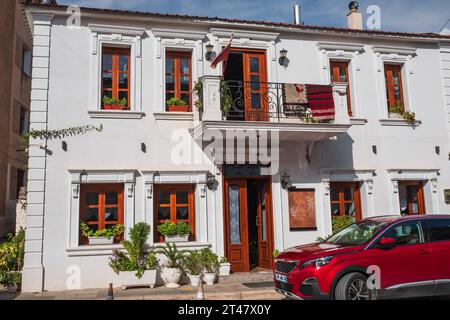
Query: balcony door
point(256, 89)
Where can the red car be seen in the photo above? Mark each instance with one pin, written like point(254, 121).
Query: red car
point(377, 258)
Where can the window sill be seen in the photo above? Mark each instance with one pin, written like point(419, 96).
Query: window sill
point(174, 116)
point(116, 114)
point(399, 123)
point(358, 121)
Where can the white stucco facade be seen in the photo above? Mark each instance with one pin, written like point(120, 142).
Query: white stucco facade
point(66, 92)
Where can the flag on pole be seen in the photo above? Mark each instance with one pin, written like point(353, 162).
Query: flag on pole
point(222, 56)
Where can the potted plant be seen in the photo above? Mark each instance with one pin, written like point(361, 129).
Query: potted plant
point(177, 105)
point(193, 267)
point(396, 111)
point(173, 269)
point(11, 280)
point(210, 264)
point(175, 232)
point(103, 236)
point(114, 104)
point(225, 267)
point(137, 267)
point(11, 261)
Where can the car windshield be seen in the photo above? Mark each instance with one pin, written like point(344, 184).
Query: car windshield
point(357, 234)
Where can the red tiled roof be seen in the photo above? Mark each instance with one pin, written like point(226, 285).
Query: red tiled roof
point(258, 22)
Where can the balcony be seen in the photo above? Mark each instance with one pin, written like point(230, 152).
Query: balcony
point(240, 105)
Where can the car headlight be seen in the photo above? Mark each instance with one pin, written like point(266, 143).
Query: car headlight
point(320, 262)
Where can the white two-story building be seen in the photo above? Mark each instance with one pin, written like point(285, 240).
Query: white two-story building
point(241, 153)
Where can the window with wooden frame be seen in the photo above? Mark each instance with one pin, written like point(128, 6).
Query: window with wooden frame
point(411, 197)
point(178, 81)
point(175, 203)
point(101, 207)
point(394, 86)
point(116, 76)
point(345, 200)
point(339, 73)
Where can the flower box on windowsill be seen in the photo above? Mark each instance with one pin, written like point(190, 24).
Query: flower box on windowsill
point(128, 279)
point(114, 107)
point(395, 116)
point(177, 238)
point(178, 108)
point(100, 241)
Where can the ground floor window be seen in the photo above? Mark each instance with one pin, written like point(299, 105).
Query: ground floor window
point(175, 203)
point(411, 198)
point(345, 200)
point(101, 206)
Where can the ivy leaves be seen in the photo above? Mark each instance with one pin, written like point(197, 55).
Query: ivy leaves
point(62, 133)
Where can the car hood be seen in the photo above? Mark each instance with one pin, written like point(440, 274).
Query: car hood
point(316, 250)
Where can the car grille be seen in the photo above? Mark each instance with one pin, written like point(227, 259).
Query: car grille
point(283, 286)
point(286, 266)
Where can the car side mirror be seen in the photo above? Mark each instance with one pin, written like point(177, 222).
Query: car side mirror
point(386, 243)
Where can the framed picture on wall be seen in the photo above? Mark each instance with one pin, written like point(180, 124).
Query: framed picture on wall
point(302, 209)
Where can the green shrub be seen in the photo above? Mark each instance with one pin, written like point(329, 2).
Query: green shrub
point(275, 254)
point(169, 228)
point(104, 233)
point(193, 263)
point(209, 261)
point(176, 258)
point(114, 101)
point(175, 102)
point(11, 259)
point(341, 222)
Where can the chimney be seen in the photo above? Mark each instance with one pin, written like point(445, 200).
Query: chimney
point(354, 17)
point(298, 14)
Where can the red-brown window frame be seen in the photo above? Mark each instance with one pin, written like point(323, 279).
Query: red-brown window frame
point(116, 53)
point(420, 195)
point(335, 67)
point(190, 188)
point(389, 70)
point(101, 189)
point(177, 56)
point(342, 202)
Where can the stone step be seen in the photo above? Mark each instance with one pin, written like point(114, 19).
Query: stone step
point(243, 277)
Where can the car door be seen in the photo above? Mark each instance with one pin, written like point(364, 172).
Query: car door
point(439, 230)
point(406, 269)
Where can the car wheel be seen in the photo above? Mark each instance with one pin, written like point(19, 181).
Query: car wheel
point(352, 286)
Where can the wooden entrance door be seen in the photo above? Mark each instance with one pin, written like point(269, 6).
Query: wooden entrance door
point(236, 222)
point(256, 88)
point(264, 223)
point(411, 198)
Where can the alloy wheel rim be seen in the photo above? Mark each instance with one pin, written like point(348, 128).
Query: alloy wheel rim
point(358, 290)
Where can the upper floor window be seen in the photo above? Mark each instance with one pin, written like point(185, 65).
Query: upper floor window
point(174, 203)
point(26, 61)
point(178, 81)
point(394, 88)
point(24, 120)
point(339, 73)
point(116, 78)
point(345, 200)
point(101, 206)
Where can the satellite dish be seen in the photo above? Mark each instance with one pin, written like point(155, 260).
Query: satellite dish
point(354, 5)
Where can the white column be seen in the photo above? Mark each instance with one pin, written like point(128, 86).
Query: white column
point(340, 103)
point(33, 271)
point(211, 98)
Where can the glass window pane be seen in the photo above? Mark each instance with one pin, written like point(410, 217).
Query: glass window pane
point(348, 194)
point(335, 209)
point(263, 213)
point(107, 61)
point(405, 233)
point(440, 229)
point(182, 213)
point(164, 213)
point(256, 101)
point(403, 197)
point(91, 214)
point(342, 75)
point(185, 83)
point(107, 80)
point(123, 95)
point(254, 64)
point(185, 98)
point(182, 197)
point(107, 94)
point(123, 63)
point(334, 193)
point(184, 65)
point(92, 198)
point(123, 81)
point(350, 209)
point(234, 207)
point(170, 85)
point(111, 214)
point(169, 65)
point(163, 197)
point(255, 83)
point(111, 197)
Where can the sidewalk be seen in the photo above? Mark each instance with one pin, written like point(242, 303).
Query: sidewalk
point(263, 291)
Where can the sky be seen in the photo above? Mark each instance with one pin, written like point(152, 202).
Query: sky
point(398, 15)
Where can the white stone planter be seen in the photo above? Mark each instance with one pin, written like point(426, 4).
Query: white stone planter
point(395, 116)
point(100, 241)
point(177, 238)
point(195, 280)
point(225, 269)
point(171, 277)
point(13, 288)
point(210, 278)
point(128, 279)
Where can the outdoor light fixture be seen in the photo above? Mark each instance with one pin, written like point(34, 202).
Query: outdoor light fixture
point(211, 182)
point(285, 180)
point(283, 57)
point(209, 52)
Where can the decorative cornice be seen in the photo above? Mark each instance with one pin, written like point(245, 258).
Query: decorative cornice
point(175, 34)
point(334, 46)
point(125, 31)
point(394, 50)
point(399, 123)
point(174, 116)
point(116, 114)
point(252, 35)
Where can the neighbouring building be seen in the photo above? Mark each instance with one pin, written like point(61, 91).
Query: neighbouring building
point(326, 115)
point(15, 79)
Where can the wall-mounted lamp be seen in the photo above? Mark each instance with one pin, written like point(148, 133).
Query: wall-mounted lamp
point(143, 147)
point(211, 182)
point(64, 145)
point(285, 179)
point(283, 57)
point(209, 52)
